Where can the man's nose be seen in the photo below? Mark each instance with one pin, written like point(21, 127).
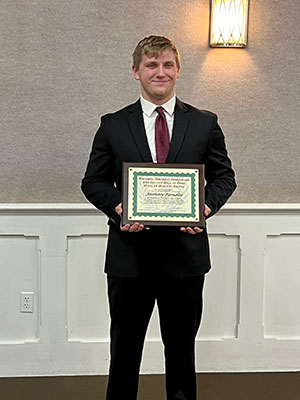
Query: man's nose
point(160, 70)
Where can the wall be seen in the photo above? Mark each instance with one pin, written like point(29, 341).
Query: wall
point(57, 252)
point(65, 63)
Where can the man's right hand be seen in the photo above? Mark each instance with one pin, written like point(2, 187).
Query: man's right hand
point(136, 227)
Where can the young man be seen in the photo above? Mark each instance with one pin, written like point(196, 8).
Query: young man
point(165, 265)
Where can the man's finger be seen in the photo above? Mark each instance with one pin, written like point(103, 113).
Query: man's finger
point(207, 210)
point(133, 227)
point(140, 228)
point(197, 229)
point(136, 227)
point(119, 209)
point(125, 227)
point(190, 230)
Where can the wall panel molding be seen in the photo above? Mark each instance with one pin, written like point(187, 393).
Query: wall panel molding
point(76, 208)
point(19, 272)
point(281, 291)
point(250, 322)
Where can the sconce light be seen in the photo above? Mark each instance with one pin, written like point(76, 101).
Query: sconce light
point(228, 23)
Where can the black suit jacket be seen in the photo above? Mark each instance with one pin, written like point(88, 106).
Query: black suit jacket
point(196, 139)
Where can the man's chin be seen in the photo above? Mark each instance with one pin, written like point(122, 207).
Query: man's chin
point(160, 95)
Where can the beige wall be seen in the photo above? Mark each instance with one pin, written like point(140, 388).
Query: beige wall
point(65, 63)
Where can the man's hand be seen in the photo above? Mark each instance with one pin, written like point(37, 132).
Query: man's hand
point(195, 230)
point(136, 227)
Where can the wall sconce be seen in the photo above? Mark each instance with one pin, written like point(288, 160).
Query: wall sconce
point(228, 23)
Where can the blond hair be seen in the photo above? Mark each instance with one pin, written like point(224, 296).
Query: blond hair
point(153, 46)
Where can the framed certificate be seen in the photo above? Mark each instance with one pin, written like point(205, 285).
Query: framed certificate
point(163, 194)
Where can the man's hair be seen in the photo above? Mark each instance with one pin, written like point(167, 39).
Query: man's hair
point(153, 46)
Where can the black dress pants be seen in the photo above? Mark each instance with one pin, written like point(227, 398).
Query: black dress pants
point(131, 302)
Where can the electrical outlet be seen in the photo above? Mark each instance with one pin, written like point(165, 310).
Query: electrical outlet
point(26, 302)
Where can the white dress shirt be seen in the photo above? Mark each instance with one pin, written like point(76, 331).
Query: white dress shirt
point(149, 115)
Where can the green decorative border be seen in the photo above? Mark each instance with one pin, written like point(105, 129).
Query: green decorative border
point(150, 214)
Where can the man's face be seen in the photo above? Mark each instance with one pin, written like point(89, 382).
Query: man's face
point(157, 77)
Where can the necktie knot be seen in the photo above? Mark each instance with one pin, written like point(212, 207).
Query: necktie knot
point(160, 112)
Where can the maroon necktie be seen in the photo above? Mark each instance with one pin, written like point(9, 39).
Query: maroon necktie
point(162, 140)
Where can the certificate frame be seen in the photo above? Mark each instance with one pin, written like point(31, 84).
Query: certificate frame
point(163, 194)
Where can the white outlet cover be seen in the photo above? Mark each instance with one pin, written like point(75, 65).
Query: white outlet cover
point(26, 305)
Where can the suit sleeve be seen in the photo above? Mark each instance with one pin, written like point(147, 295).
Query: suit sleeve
point(219, 175)
point(98, 184)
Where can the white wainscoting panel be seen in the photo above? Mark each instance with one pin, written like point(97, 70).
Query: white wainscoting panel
point(251, 319)
point(282, 283)
point(19, 272)
point(88, 318)
point(221, 318)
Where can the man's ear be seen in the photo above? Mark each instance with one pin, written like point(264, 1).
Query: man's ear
point(135, 73)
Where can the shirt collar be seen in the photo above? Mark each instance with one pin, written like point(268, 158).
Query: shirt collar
point(148, 107)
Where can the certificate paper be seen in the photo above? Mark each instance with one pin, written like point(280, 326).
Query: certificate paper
point(163, 194)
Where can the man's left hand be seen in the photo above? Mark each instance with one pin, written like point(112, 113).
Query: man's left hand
point(195, 229)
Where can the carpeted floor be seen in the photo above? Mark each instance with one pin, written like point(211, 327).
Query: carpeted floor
point(241, 386)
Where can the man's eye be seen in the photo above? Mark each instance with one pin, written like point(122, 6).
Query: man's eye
point(151, 65)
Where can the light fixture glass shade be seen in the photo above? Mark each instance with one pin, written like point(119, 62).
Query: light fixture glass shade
point(229, 23)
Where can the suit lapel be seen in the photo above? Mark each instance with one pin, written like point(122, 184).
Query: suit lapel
point(181, 121)
point(136, 123)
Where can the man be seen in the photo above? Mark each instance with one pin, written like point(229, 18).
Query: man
point(165, 265)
